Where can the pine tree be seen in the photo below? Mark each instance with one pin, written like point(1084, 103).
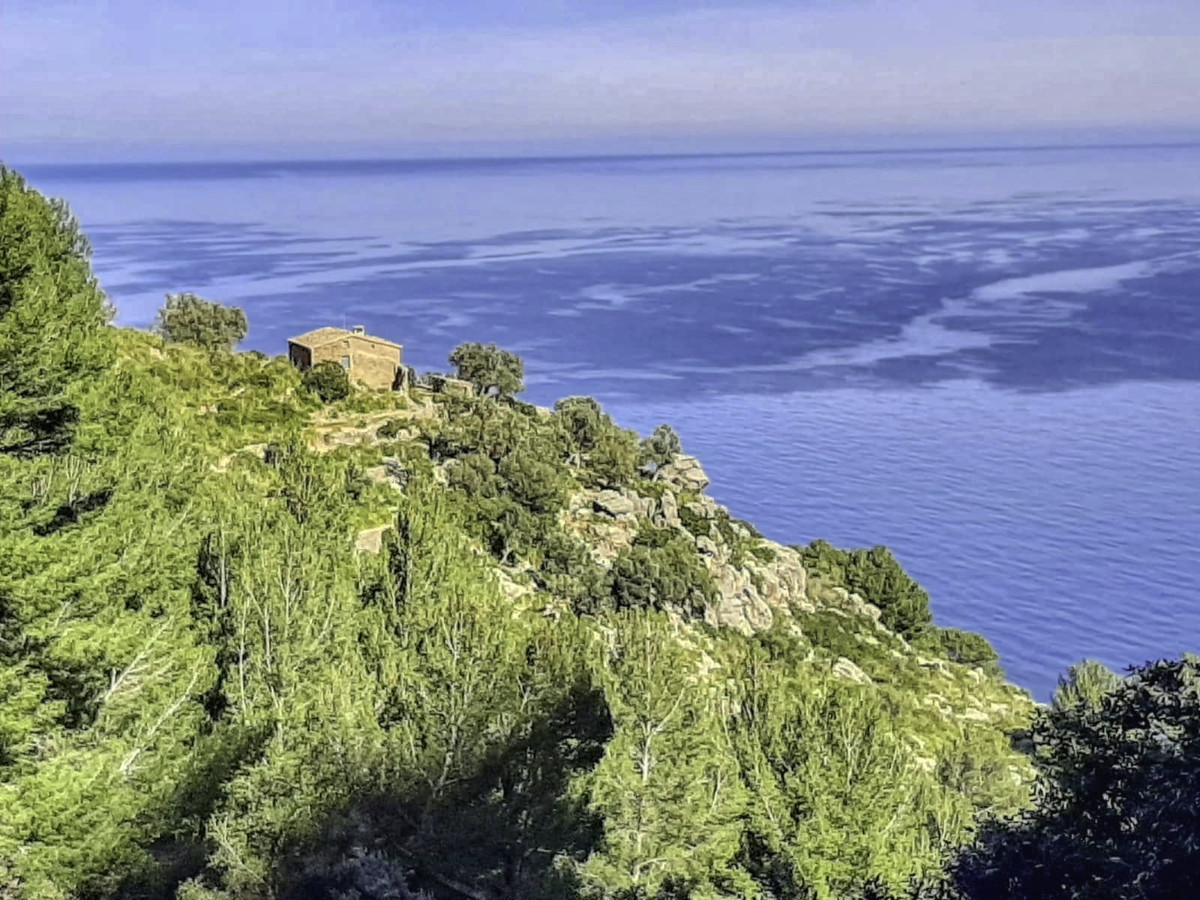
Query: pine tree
point(53, 318)
point(668, 787)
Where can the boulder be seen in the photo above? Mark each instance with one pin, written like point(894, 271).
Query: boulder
point(370, 540)
point(783, 580)
point(617, 504)
point(668, 512)
point(605, 540)
point(685, 473)
point(512, 590)
point(848, 671)
point(738, 605)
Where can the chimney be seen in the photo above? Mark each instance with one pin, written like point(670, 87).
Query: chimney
point(360, 329)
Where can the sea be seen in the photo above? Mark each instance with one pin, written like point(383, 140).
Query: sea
point(987, 359)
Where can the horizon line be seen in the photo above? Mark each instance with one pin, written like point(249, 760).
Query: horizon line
point(590, 157)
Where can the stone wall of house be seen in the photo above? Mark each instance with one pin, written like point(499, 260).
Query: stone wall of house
point(300, 356)
point(373, 364)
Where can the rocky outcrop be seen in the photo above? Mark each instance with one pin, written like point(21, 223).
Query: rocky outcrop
point(621, 504)
point(739, 605)
point(685, 473)
point(751, 595)
point(666, 514)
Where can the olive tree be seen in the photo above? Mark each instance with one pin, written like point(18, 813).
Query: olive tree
point(188, 319)
point(493, 372)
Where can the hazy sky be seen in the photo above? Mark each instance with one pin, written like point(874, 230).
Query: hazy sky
point(202, 78)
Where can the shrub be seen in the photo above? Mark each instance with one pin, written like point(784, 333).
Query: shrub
point(390, 429)
point(964, 647)
point(697, 524)
point(878, 578)
point(606, 452)
point(656, 577)
point(659, 449)
point(328, 381)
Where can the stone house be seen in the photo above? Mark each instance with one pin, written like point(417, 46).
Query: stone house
point(370, 361)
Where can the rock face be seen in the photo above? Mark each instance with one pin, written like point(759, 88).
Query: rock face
point(685, 473)
point(782, 583)
point(668, 512)
point(751, 595)
point(739, 607)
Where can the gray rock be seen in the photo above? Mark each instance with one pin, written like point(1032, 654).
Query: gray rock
point(738, 605)
point(370, 540)
point(685, 472)
point(668, 512)
point(616, 504)
point(512, 590)
point(784, 580)
point(708, 546)
point(848, 671)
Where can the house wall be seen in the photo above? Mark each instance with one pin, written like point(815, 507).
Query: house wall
point(373, 364)
point(300, 356)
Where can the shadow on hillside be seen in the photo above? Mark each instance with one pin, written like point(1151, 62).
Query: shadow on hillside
point(38, 432)
point(496, 835)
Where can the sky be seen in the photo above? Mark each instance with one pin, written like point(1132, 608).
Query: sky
point(212, 79)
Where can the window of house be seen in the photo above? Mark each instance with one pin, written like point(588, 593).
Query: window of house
point(346, 363)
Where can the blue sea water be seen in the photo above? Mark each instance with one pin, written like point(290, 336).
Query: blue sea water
point(987, 359)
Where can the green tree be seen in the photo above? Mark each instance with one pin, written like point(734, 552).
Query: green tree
point(188, 319)
point(491, 370)
point(1116, 812)
point(668, 787)
point(1087, 682)
point(659, 449)
point(328, 381)
point(963, 647)
point(877, 576)
point(837, 799)
point(53, 316)
point(607, 453)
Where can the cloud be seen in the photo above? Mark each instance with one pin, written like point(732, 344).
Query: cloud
point(369, 73)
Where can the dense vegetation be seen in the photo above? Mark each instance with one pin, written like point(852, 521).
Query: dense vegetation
point(213, 686)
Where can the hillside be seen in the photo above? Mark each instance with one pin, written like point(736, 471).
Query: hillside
point(263, 617)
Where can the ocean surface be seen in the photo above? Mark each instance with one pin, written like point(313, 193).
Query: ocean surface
point(988, 359)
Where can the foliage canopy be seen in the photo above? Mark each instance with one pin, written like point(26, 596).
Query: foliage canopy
point(491, 370)
point(327, 380)
point(189, 319)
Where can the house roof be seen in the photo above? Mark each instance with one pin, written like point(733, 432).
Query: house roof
point(327, 335)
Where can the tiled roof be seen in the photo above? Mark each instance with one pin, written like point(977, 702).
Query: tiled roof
point(327, 335)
